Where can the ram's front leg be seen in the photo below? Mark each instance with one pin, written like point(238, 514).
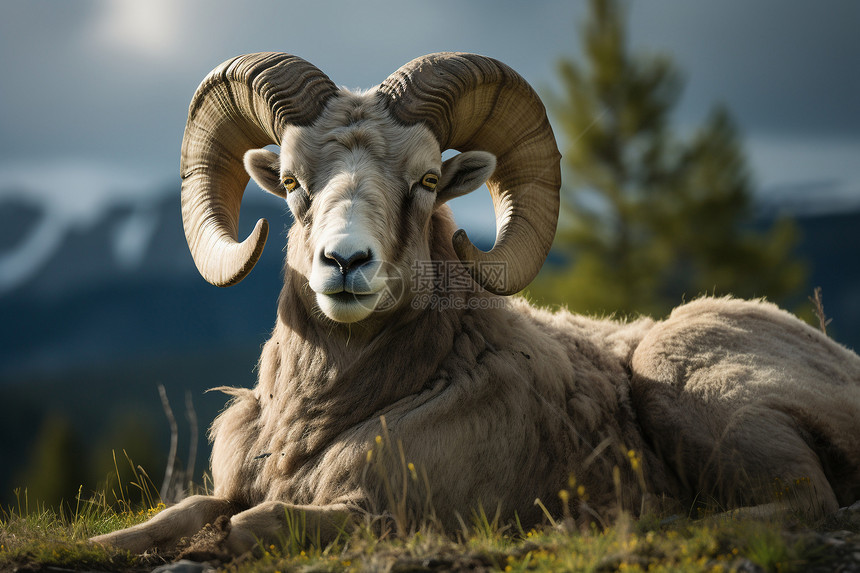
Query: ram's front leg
point(164, 531)
point(272, 521)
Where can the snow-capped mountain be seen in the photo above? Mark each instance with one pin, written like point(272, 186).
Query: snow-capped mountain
point(122, 284)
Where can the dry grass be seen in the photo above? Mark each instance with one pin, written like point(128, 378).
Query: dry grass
point(45, 538)
point(34, 538)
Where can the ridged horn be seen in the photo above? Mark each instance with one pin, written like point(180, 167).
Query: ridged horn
point(472, 102)
point(245, 103)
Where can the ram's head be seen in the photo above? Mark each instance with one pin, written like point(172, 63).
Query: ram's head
point(363, 172)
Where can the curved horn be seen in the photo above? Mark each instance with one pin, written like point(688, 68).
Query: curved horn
point(245, 103)
point(472, 102)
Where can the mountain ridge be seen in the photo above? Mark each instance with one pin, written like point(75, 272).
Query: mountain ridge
point(94, 297)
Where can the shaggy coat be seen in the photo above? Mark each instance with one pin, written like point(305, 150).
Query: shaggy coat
point(497, 404)
point(742, 399)
point(378, 396)
point(500, 404)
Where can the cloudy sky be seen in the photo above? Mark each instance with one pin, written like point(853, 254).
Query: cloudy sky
point(94, 94)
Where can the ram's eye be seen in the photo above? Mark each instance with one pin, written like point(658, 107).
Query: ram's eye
point(430, 180)
point(289, 182)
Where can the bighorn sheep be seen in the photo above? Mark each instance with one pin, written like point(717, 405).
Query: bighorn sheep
point(495, 402)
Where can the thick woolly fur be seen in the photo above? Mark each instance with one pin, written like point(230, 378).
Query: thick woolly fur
point(501, 405)
point(498, 406)
point(497, 403)
point(737, 395)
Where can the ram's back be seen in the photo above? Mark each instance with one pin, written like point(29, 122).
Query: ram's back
point(738, 394)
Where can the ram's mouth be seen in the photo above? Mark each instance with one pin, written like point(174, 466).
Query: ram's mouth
point(346, 297)
point(346, 306)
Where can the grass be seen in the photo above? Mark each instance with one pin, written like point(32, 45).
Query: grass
point(46, 538)
point(35, 537)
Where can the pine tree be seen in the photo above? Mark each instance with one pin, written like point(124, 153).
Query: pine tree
point(649, 219)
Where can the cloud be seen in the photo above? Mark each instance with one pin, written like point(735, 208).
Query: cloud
point(151, 29)
point(110, 80)
point(781, 161)
point(782, 66)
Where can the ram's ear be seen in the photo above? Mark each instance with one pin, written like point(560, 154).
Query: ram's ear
point(464, 173)
point(264, 167)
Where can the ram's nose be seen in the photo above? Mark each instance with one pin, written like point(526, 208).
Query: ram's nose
point(346, 259)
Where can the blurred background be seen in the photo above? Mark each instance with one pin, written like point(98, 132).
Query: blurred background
point(708, 148)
